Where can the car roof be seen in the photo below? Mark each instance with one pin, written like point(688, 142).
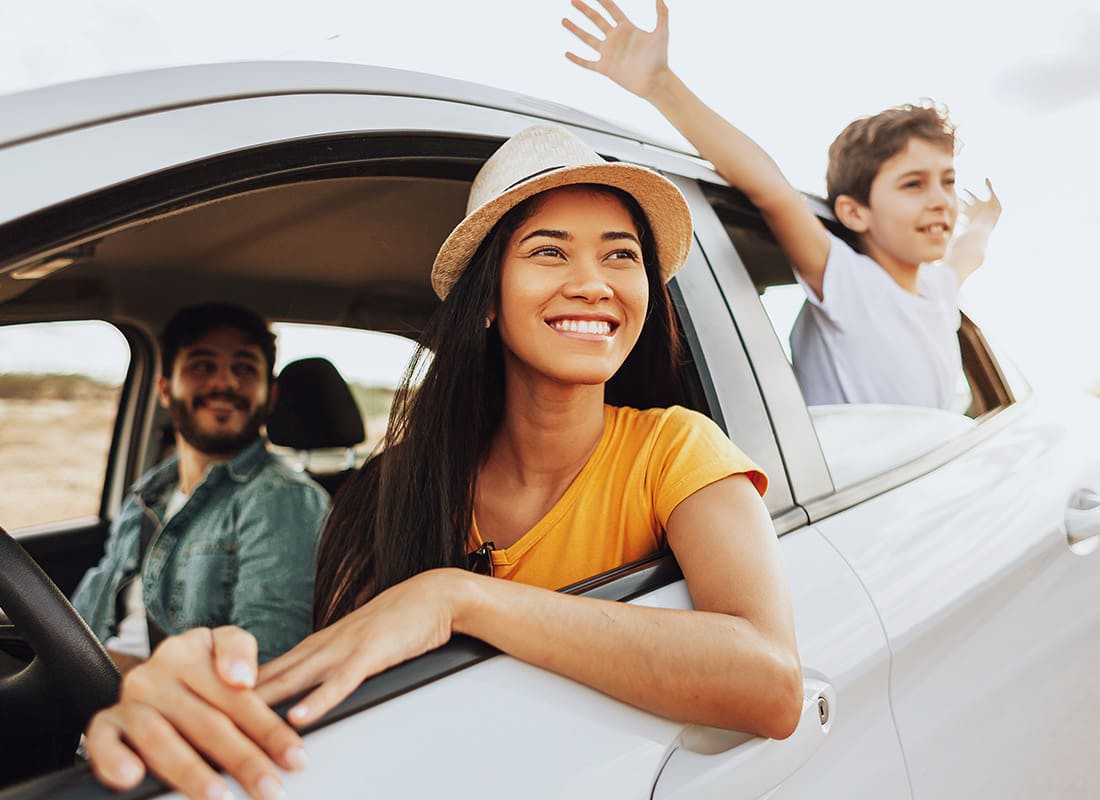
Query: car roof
point(35, 113)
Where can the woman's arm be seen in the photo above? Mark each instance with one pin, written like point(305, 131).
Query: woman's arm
point(731, 663)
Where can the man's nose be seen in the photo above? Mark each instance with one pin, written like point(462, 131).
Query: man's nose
point(223, 377)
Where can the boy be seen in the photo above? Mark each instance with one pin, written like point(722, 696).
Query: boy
point(877, 327)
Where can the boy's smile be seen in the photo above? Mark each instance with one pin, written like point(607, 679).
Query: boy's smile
point(912, 208)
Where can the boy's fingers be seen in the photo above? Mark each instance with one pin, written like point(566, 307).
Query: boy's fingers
point(613, 10)
point(235, 656)
point(593, 15)
point(582, 62)
point(582, 34)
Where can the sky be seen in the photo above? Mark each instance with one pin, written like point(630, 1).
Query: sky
point(1024, 90)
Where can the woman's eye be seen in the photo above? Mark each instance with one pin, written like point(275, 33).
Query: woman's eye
point(547, 251)
point(625, 254)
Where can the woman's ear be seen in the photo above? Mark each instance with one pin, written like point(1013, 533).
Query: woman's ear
point(852, 214)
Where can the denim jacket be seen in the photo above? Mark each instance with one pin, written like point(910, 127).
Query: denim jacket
point(241, 551)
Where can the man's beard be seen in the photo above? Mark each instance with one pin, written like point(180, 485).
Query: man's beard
point(225, 443)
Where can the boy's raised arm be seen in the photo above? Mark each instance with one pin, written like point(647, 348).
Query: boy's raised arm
point(638, 61)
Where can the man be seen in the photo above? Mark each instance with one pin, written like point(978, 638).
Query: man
point(221, 533)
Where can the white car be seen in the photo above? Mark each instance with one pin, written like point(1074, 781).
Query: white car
point(943, 563)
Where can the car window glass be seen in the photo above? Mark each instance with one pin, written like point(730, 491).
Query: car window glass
point(857, 441)
point(60, 384)
point(370, 362)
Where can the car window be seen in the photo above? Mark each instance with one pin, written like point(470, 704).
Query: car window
point(859, 441)
point(371, 363)
point(60, 385)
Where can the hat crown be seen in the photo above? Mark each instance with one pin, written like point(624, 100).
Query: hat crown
point(531, 152)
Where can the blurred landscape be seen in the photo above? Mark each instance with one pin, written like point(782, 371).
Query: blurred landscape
point(55, 436)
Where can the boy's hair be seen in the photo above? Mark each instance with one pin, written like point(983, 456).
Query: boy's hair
point(857, 154)
point(191, 323)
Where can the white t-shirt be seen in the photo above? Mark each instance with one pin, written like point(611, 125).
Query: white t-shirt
point(870, 341)
point(133, 631)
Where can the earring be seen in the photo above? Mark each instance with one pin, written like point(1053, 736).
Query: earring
point(488, 323)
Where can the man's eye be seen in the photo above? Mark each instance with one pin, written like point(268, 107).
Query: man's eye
point(245, 370)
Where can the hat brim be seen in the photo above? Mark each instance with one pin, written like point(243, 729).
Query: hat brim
point(664, 206)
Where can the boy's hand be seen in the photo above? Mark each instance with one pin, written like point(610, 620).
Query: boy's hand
point(983, 213)
point(633, 58)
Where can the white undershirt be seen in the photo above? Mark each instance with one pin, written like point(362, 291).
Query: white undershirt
point(133, 631)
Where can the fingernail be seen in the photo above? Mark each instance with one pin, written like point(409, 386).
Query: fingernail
point(217, 791)
point(128, 772)
point(241, 674)
point(270, 788)
point(298, 712)
point(295, 756)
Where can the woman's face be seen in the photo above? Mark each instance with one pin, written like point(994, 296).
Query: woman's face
point(573, 289)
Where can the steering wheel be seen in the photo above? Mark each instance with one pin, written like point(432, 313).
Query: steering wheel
point(48, 703)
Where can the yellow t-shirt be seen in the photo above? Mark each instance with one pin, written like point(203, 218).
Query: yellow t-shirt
point(616, 509)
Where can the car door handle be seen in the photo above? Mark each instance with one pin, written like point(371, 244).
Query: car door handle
point(708, 763)
point(1083, 516)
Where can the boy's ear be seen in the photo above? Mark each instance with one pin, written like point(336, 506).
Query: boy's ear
point(852, 214)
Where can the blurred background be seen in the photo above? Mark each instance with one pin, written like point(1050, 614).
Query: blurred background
point(1023, 88)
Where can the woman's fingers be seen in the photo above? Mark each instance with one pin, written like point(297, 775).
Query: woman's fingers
point(162, 749)
point(235, 655)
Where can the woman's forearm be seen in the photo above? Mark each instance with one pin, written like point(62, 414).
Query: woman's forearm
point(691, 666)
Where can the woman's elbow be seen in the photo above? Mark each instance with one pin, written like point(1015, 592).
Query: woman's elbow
point(784, 707)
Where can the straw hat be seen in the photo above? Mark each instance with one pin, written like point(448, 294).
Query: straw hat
point(545, 157)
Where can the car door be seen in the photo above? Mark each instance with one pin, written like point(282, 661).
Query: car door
point(978, 549)
point(461, 721)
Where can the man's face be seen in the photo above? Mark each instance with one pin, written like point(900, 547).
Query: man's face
point(912, 207)
point(218, 392)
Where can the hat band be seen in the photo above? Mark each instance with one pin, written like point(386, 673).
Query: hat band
point(534, 175)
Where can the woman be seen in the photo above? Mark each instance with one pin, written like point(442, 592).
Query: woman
point(511, 448)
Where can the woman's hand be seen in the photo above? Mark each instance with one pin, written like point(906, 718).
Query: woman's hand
point(633, 58)
point(194, 695)
point(401, 623)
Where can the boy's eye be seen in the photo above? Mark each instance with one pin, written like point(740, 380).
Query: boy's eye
point(911, 185)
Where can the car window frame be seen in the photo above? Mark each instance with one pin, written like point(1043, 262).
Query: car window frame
point(810, 478)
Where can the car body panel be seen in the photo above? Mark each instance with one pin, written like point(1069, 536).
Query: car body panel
point(993, 621)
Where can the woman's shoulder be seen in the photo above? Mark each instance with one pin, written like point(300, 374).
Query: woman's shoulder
point(660, 422)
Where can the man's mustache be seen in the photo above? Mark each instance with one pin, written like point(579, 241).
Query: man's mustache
point(236, 400)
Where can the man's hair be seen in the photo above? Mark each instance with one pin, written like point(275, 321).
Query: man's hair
point(858, 153)
point(191, 323)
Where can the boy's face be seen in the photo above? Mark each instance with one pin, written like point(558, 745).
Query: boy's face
point(912, 208)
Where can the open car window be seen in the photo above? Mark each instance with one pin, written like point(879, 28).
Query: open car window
point(860, 442)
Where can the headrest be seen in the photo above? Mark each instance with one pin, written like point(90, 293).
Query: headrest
point(314, 408)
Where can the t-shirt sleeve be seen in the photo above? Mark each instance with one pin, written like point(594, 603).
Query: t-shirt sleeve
point(691, 452)
point(842, 286)
point(942, 282)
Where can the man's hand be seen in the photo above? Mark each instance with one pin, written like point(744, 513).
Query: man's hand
point(633, 58)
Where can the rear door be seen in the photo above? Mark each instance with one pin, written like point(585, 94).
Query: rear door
point(975, 534)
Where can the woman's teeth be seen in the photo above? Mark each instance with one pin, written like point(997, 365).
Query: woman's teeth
point(601, 327)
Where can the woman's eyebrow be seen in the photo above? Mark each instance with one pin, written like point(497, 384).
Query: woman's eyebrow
point(611, 235)
point(553, 234)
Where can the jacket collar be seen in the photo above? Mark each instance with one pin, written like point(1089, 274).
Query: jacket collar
point(241, 468)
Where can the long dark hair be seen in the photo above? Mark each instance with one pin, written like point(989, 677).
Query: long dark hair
point(410, 508)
